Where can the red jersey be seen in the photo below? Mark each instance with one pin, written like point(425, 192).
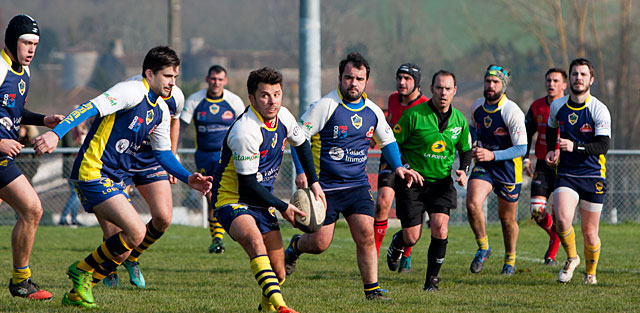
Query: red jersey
point(537, 117)
point(395, 109)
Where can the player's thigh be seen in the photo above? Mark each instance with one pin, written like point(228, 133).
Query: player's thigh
point(361, 227)
point(108, 229)
point(477, 192)
point(590, 221)
point(385, 198)
point(119, 211)
point(21, 196)
point(158, 195)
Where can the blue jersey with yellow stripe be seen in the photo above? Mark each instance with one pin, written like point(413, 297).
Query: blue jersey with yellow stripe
point(580, 124)
point(13, 96)
point(129, 112)
point(500, 127)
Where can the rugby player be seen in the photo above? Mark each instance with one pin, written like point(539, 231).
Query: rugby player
point(429, 135)
point(213, 110)
point(501, 142)
point(584, 124)
point(341, 126)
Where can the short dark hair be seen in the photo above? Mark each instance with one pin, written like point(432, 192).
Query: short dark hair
point(264, 75)
point(159, 58)
point(445, 73)
point(357, 60)
point(581, 61)
point(557, 70)
point(217, 69)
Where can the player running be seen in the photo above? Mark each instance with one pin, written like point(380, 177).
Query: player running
point(501, 143)
point(544, 175)
point(213, 110)
point(341, 126)
point(429, 135)
point(408, 95)
point(249, 164)
point(127, 113)
point(584, 124)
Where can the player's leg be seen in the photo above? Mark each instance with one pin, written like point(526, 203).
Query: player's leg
point(410, 211)
point(383, 205)
point(541, 188)
point(476, 194)
point(275, 251)
point(18, 193)
point(564, 203)
point(437, 248)
point(592, 194)
point(207, 162)
point(361, 229)
point(507, 212)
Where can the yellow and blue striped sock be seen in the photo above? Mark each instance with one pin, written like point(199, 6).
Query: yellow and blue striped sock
point(591, 254)
point(568, 240)
point(483, 243)
point(151, 236)
point(108, 250)
point(510, 258)
point(20, 274)
point(267, 279)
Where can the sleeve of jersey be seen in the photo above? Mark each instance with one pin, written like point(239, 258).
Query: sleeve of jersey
point(237, 105)
point(189, 106)
point(514, 119)
point(244, 142)
point(160, 137)
point(531, 126)
point(77, 116)
point(250, 188)
point(553, 112)
point(382, 135)
point(602, 119)
point(179, 97)
point(169, 162)
point(316, 117)
point(122, 96)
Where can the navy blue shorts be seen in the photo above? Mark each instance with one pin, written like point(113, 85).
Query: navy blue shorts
point(92, 193)
point(146, 176)
point(207, 162)
point(266, 219)
point(507, 192)
point(591, 189)
point(356, 200)
point(8, 171)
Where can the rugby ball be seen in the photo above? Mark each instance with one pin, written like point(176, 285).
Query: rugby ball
point(315, 211)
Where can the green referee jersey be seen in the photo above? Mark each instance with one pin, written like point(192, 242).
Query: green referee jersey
point(429, 151)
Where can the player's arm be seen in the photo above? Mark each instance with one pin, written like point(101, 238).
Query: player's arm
point(36, 119)
point(514, 120)
point(532, 128)
point(464, 153)
point(48, 141)
point(187, 113)
point(385, 138)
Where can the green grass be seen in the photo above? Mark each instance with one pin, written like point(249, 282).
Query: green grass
point(183, 277)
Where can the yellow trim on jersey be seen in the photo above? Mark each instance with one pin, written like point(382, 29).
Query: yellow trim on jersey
point(316, 148)
point(517, 166)
point(500, 103)
point(146, 85)
point(603, 170)
point(6, 57)
point(364, 96)
point(92, 158)
point(262, 120)
point(228, 191)
point(580, 108)
point(214, 100)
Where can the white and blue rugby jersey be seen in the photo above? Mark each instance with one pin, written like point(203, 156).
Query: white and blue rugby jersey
point(580, 125)
point(211, 118)
point(14, 87)
point(500, 129)
point(253, 147)
point(340, 138)
point(128, 113)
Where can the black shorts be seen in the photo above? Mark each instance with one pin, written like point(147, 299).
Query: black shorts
point(543, 179)
point(8, 171)
point(386, 175)
point(434, 197)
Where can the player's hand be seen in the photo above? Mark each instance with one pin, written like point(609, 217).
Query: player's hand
point(45, 143)
point(290, 214)
point(551, 158)
point(319, 193)
point(173, 180)
point(528, 166)
point(52, 121)
point(482, 154)
point(565, 144)
point(200, 183)
point(301, 181)
point(462, 177)
point(10, 147)
point(411, 176)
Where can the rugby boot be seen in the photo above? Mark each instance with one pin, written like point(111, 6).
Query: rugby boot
point(478, 261)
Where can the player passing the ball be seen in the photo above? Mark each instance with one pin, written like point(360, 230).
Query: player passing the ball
point(251, 156)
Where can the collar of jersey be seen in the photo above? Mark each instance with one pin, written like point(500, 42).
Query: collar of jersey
point(502, 100)
point(364, 101)
point(578, 108)
point(275, 126)
point(152, 98)
point(215, 100)
point(7, 59)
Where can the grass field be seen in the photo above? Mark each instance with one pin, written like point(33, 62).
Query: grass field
point(182, 277)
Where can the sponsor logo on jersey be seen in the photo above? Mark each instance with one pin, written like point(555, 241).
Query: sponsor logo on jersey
point(106, 182)
point(259, 177)
point(22, 87)
point(438, 146)
point(122, 145)
point(500, 131)
point(455, 132)
point(586, 128)
point(336, 153)
point(573, 118)
point(201, 116)
point(135, 123)
point(397, 129)
point(340, 131)
point(9, 100)
point(111, 99)
point(240, 157)
point(238, 208)
point(370, 132)
point(227, 115)
point(356, 121)
point(306, 125)
point(296, 130)
point(272, 211)
point(604, 125)
point(4, 162)
point(487, 121)
point(214, 109)
point(539, 119)
point(6, 122)
point(274, 141)
point(509, 188)
point(149, 116)
point(599, 188)
point(263, 155)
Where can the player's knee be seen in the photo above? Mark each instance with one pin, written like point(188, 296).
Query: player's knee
point(318, 245)
point(439, 231)
point(537, 208)
point(32, 213)
point(590, 237)
point(410, 239)
point(162, 223)
point(134, 236)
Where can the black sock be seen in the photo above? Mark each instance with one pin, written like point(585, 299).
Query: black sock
point(437, 251)
point(398, 241)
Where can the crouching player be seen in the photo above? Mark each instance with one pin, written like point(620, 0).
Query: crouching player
point(249, 164)
point(127, 113)
point(429, 135)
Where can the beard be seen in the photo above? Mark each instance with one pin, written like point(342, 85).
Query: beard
point(496, 95)
point(348, 97)
point(578, 92)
